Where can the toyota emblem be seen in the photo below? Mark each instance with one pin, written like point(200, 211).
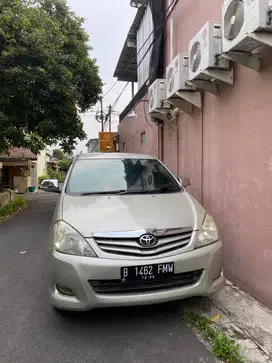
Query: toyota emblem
point(148, 240)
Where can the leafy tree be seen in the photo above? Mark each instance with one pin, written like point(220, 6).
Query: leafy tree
point(46, 74)
point(64, 164)
point(58, 154)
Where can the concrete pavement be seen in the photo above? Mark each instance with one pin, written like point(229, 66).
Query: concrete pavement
point(31, 332)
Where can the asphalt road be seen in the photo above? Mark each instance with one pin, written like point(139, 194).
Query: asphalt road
point(31, 332)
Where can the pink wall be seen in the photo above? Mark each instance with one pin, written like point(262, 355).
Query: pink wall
point(226, 150)
point(130, 130)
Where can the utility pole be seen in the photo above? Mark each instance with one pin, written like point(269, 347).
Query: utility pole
point(102, 114)
point(110, 110)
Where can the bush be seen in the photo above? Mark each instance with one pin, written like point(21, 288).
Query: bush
point(54, 174)
point(11, 208)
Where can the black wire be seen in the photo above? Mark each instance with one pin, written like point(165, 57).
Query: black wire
point(118, 98)
point(110, 89)
point(147, 51)
point(163, 18)
point(155, 28)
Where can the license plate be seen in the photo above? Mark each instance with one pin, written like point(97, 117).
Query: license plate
point(147, 272)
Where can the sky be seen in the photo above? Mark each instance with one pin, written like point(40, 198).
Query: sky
point(107, 23)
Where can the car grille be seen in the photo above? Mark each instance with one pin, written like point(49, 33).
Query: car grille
point(107, 287)
point(131, 247)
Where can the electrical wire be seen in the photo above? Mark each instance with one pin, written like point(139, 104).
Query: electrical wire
point(162, 19)
point(174, 3)
point(118, 98)
point(111, 88)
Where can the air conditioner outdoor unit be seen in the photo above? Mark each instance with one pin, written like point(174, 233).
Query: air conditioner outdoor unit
point(177, 74)
point(206, 62)
point(157, 104)
point(246, 24)
point(179, 92)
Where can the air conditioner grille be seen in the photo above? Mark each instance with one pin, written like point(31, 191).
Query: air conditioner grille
point(234, 19)
point(170, 79)
point(195, 56)
point(151, 99)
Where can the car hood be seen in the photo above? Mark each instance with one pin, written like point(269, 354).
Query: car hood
point(93, 214)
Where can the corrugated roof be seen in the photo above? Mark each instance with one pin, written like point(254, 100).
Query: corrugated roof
point(20, 153)
point(126, 69)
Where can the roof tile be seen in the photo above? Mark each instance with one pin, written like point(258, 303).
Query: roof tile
point(19, 153)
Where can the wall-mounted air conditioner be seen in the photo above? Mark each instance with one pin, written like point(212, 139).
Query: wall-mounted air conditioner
point(158, 106)
point(179, 92)
point(206, 63)
point(246, 25)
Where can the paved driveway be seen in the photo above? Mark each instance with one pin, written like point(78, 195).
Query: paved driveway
point(31, 332)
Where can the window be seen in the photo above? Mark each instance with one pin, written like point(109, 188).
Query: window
point(113, 176)
point(143, 138)
point(144, 52)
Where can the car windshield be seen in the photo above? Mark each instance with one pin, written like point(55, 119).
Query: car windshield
point(120, 176)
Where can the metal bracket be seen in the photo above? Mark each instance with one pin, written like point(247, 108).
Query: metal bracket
point(192, 97)
point(183, 105)
point(250, 60)
point(262, 37)
point(220, 75)
point(207, 86)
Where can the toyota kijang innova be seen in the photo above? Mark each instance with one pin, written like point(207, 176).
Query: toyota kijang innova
point(126, 232)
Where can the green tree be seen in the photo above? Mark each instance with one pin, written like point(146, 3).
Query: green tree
point(46, 74)
point(59, 154)
point(64, 164)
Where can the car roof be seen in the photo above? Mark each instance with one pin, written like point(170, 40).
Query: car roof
point(114, 156)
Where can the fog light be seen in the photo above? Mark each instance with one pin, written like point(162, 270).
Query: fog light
point(65, 290)
point(219, 275)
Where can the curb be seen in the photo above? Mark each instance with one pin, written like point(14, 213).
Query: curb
point(14, 214)
point(242, 318)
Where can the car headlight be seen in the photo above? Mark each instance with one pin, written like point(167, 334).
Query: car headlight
point(208, 233)
point(66, 239)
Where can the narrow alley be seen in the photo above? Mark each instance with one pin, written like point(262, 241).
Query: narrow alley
point(31, 331)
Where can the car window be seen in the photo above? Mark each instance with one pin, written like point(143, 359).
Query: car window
point(45, 184)
point(120, 175)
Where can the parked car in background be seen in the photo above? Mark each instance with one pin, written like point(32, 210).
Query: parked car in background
point(49, 185)
point(126, 232)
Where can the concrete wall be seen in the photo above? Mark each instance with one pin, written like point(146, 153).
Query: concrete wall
point(6, 197)
point(41, 163)
point(226, 150)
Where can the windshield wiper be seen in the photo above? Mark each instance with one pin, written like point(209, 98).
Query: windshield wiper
point(154, 191)
point(135, 192)
point(167, 189)
point(104, 192)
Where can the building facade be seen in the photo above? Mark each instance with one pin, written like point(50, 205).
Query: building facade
point(224, 148)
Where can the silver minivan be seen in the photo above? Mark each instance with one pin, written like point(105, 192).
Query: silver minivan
point(126, 232)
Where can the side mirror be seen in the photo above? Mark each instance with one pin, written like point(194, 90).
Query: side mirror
point(185, 182)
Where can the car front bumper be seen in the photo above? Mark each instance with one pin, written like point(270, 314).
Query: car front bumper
point(76, 273)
